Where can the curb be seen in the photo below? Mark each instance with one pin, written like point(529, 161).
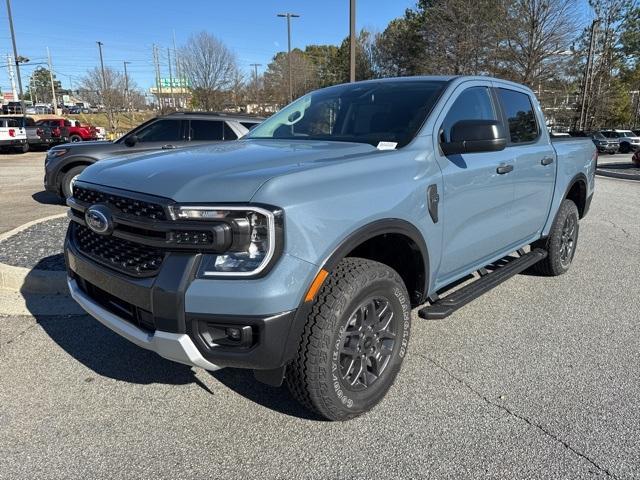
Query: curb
point(610, 174)
point(26, 280)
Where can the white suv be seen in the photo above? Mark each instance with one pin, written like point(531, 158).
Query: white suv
point(629, 141)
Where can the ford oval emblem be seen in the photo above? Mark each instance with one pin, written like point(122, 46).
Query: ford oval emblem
point(98, 219)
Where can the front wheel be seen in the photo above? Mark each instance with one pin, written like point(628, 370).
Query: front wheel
point(354, 341)
point(561, 242)
point(69, 178)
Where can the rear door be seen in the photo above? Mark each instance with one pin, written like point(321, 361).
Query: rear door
point(535, 161)
point(203, 131)
point(476, 201)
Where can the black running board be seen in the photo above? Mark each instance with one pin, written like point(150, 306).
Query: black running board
point(443, 307)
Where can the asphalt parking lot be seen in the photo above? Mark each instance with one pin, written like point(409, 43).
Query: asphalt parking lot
point(539, 378)
point(21, 184)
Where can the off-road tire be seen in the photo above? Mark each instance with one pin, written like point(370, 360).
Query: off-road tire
point(67, 179)
point(314, 376)
point(554, 264)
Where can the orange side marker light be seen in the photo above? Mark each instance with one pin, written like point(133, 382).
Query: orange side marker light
point(315, 285)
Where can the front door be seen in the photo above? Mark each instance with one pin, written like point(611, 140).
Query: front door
point(478, 187)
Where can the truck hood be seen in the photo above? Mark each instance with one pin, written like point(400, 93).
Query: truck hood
point(225, 172)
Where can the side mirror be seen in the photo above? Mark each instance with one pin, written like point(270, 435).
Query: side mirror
point(131, 140)
point(469, 136)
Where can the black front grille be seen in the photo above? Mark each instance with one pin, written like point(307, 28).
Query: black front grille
point(117, 253)
point(128, 206)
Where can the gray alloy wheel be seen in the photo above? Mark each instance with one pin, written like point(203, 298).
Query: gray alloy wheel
point(367, 343)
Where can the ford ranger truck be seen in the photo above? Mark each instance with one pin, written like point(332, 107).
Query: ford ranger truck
point(300, 250)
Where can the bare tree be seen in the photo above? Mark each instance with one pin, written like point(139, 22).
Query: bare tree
point(210, 68)
point(537, 34)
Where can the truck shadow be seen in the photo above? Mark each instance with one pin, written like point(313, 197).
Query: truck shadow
point(277, 399)
point(109, 355)
point(98, 348)
point(47, 198)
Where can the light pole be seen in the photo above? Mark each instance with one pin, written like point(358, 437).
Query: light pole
point(289, 16)
point(352, 40)
point(127, 102)
point(17, 59)
point(255, 73)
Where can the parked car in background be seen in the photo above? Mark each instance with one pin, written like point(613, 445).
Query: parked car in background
point(11, 108)
point(59, 132)
point(43, 109)
point(299, 251)
point(65, 162)
point(76, 131)
point(605, 144)
point(38, 136)
point(12, 135)
point(636, 132)
point(629, 141)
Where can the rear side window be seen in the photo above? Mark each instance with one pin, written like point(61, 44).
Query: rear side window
point(517, 107)
point(229, 134)
point(206, 130)
point(161, 131)
point(472, 104)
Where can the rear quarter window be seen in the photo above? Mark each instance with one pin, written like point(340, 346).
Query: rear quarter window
point(523, 126)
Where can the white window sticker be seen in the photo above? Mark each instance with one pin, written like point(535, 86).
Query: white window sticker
point(386, 145)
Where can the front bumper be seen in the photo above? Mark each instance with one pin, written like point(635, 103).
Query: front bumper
point(178, 316)
point(173, 346)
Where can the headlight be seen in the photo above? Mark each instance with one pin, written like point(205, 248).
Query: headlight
point(56, 153)
point(256, 237)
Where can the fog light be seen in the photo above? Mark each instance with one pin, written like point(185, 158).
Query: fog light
point(234, 333)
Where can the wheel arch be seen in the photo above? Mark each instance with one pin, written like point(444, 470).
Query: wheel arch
point(68, 165)
point(389, 232)
point(576, 191)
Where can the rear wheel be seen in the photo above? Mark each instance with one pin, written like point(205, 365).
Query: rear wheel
point(24, 148)
point(561, 243)
point(354, 341)
point(75, 138)
point(69, 178)
point(625, 147)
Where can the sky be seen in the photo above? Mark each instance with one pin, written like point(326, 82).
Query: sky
point(128, 29)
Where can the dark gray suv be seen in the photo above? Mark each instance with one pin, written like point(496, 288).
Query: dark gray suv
point(65, 162)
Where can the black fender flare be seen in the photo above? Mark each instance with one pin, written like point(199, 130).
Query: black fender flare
point(351, 241)
point(579, 177)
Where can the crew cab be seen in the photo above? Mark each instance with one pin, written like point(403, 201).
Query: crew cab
point(64, 163)
point(12, 135)
point(300, 250)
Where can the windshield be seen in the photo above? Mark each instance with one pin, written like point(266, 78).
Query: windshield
point(370, 112)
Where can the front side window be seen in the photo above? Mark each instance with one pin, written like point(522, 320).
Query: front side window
point(472, 104)
point(368, 112)
point(203, 130)
point(517, 106)
point(161, 131)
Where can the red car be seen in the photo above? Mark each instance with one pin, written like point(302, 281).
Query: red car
point(76, 131)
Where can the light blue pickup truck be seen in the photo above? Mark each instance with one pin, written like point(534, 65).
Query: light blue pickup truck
point(300, 250)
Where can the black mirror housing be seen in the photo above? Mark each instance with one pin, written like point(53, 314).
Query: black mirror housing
point(471, 136)
point(131, 140)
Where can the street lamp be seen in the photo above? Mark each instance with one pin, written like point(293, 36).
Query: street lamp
point(289, 16)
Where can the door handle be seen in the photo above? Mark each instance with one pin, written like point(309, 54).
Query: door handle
point(546, 161)
point(168, 147)
point(502, 169)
